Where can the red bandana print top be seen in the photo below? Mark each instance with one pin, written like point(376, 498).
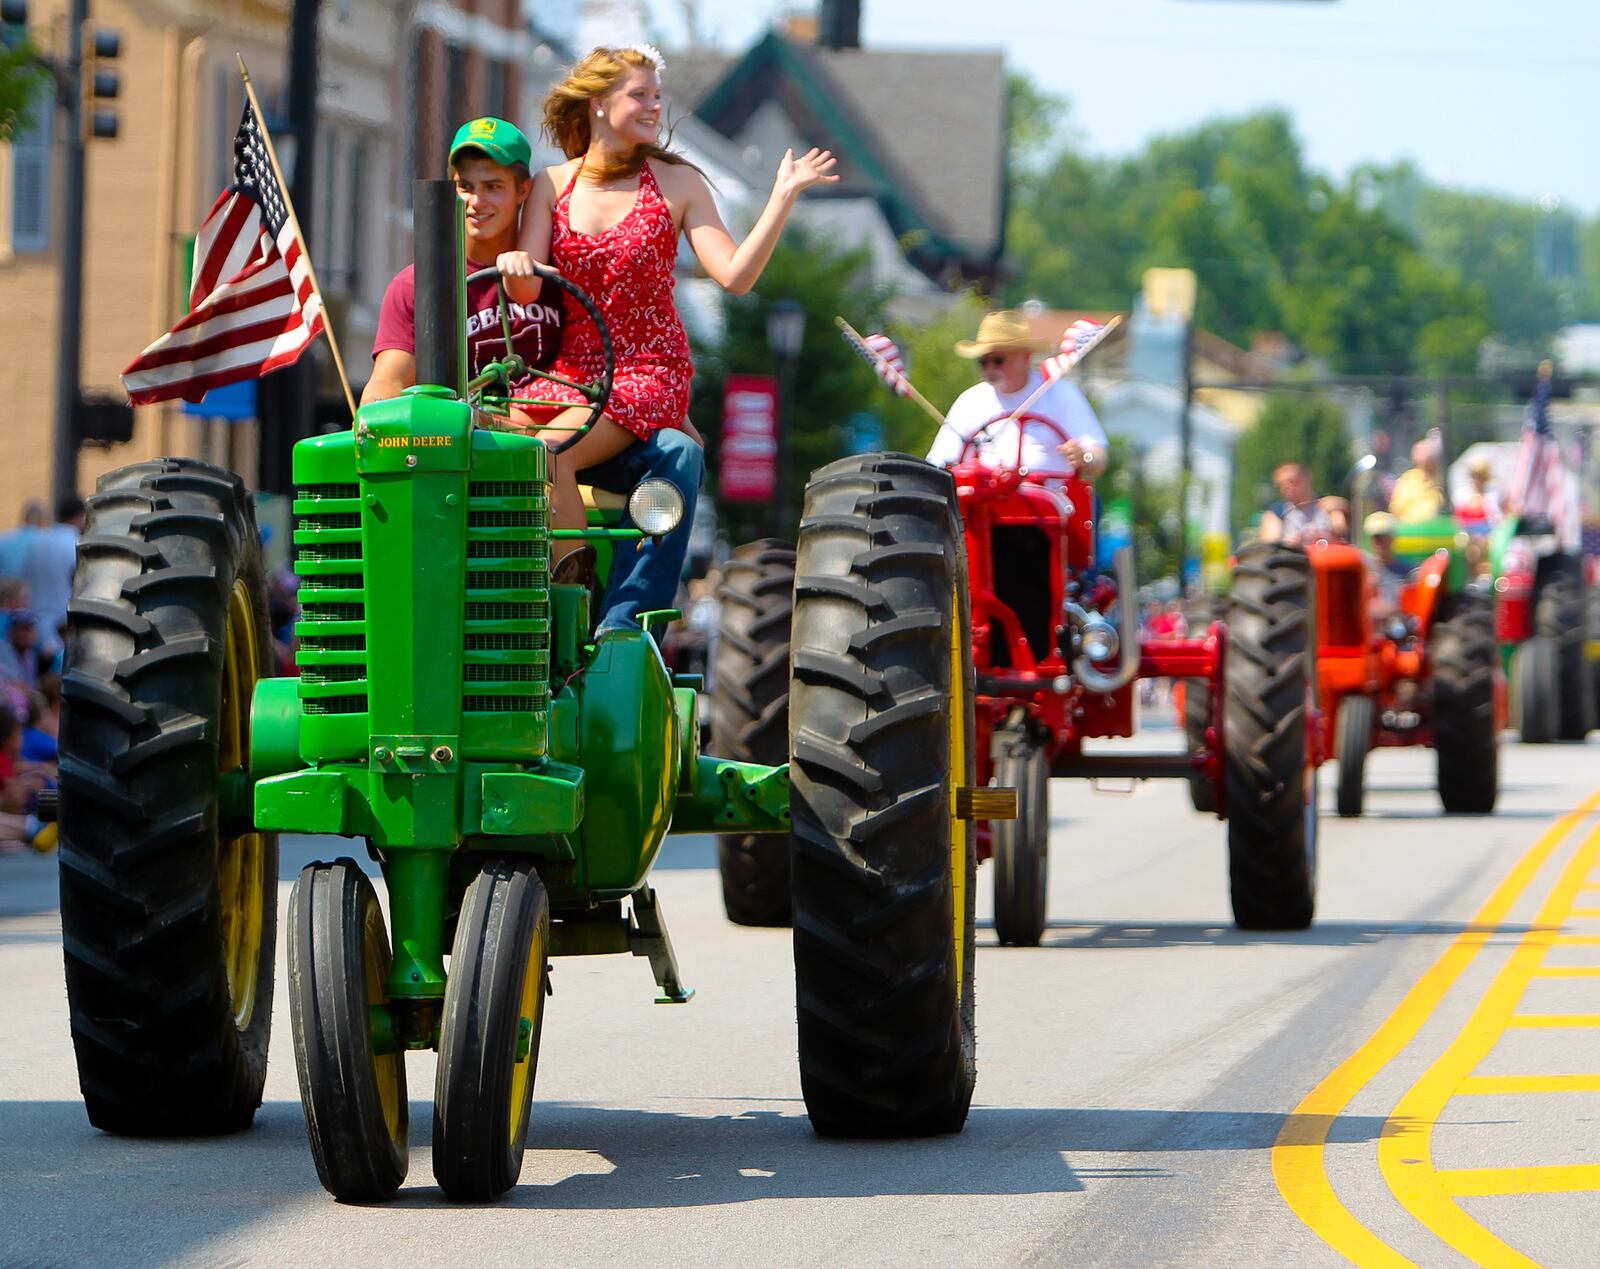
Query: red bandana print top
point(628, 271)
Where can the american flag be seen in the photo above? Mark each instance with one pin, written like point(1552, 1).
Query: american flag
point(883, 355)
point(1540, 483)
point(1076, 341)
point(252, 305)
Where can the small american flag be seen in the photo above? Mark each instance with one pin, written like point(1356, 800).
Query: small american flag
point(1540, 483)
point(252, 305)
point(883, 355)
point(1076, 340)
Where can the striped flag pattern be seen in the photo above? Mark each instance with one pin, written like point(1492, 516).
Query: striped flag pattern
point(1540, 481)
point(883, 355)
point(252, 304)
point(1076, 341)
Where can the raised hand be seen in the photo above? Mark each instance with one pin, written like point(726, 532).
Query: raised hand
point(814, 167)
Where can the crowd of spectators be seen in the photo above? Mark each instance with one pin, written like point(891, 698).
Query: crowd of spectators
point(36, 564)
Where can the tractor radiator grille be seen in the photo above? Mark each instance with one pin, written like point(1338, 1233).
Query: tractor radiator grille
point(507, 645)
point(328, 654)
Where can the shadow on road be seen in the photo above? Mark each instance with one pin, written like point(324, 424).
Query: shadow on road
point(61, 1176)
point(1158, 934)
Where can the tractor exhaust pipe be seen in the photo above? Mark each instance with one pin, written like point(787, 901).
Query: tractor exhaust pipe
point(1127, 670)
point(441, 300)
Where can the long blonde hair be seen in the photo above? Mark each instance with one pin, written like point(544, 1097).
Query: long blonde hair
point(566, 110)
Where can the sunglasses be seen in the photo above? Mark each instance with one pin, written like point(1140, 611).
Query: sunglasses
point(994, 359)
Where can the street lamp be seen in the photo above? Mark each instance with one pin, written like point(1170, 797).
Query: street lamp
point(786, 331)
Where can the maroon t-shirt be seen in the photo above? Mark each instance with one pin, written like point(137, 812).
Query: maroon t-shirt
point(535, 328)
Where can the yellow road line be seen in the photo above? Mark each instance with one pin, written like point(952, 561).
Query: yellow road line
point(1299, 1157)
point(1496, 1182)
point(1405, 1151)
point(1490, 1085)
point(1525, 1021)
point(1576, 940)
point(1585, 912)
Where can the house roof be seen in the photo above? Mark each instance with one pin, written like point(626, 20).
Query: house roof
point(924, 133)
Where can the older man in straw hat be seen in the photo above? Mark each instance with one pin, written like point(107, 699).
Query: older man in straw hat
point(1004, 349)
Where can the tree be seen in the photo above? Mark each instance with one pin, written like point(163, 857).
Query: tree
point(831, 384)
point(1293, 426)
point(21, 78)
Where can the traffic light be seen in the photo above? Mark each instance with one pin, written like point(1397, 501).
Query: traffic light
point(100, 83)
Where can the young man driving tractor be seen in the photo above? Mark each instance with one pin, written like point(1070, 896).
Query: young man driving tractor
point(489, 164)
point(1003, 349)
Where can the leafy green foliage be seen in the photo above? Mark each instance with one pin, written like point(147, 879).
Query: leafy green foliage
point(1293, 426)
point(21, 87)
point(1155, 511)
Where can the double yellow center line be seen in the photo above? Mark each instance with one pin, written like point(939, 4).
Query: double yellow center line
point(1299, 1162)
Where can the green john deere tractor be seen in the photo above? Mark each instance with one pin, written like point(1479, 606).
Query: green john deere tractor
point(512, 776)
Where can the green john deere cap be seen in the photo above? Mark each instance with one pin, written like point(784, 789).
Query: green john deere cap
point(501, 141)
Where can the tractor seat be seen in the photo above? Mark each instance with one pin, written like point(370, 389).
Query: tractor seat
point(602, 499)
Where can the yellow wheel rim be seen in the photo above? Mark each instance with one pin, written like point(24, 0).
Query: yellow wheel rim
point(241, 881)
point(375, 968)
point(958, 777)
point(527, 1017)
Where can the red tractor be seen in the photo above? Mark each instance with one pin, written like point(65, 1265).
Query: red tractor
point(1418, 668)
point(1057, 656)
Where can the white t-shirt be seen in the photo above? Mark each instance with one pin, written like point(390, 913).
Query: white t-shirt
point(1063, 404)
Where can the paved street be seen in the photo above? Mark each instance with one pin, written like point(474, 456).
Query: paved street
point(1416, 1078)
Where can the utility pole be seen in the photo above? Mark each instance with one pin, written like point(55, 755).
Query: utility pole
point(288, 397)
point(69, 310)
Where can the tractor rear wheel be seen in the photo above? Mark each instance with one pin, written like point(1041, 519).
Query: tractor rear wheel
point(357, 1115)
point(489, 1034)
point(168, 900)
point(1022, 845)
point(1558, 615)
point(1352, 738)
point(1535, 672)
point(750, 718)
point(882, 733)
point(1270, 677)
point(1464, 653)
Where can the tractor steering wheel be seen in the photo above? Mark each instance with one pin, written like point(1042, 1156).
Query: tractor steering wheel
point(596, 393)
point(970, 444)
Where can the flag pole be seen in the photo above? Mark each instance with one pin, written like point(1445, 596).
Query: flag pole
point(305, 251)
point(916, 396)
point(1044, 387)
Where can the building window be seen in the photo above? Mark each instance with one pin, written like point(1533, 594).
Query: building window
point(355, 198)
point(495, 90)
point(30, 178)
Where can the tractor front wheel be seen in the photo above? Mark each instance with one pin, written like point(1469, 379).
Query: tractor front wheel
point(1464, 654)
point(357, 1116)
point(168, 899)
point(1352, 739)
point(882, 734)
point(1270, 678)
point(489, 1035)
point(1022, 845)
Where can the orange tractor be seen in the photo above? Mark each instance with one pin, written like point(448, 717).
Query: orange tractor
point(1414, 663)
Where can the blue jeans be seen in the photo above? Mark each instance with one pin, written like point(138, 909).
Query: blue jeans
point(646, 580)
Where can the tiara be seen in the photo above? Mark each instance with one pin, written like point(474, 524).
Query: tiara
point(651, 54)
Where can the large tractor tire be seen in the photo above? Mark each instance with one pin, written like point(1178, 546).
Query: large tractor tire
point(1535, 673)
point(357, 1115)
point(1464, 654)
point(168, 912)
point(882, 734)
point(1352, 739)
point(750, 718)
point(1021, 845)
point(1558, 615)
point(489, 1034)
point(1270, 678)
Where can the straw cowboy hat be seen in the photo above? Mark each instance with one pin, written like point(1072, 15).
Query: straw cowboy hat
point(1004, 329)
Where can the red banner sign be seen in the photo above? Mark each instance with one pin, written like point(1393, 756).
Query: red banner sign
point(749, 439)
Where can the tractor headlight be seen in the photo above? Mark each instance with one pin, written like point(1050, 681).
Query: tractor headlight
point(656, 507)
point(1100, 641)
